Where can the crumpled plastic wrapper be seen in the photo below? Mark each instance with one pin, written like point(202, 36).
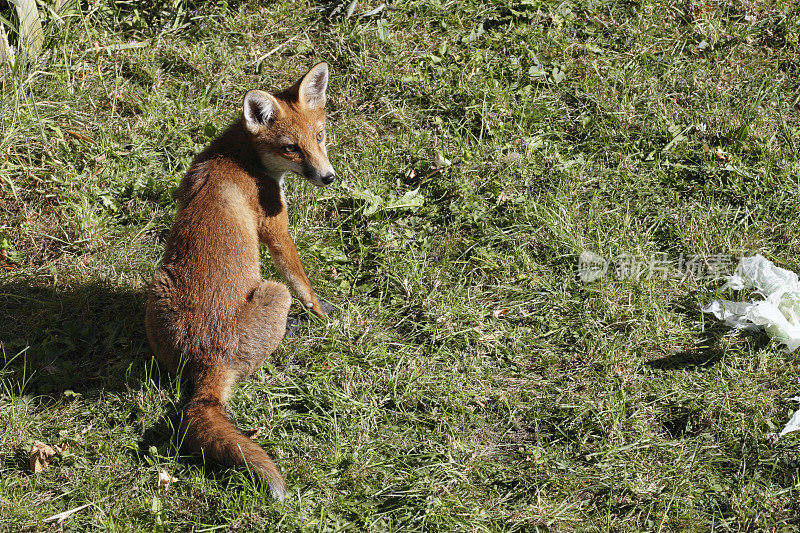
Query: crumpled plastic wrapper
point(794, 423)
point(778, 313)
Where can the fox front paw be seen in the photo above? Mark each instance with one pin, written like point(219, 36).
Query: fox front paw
point(327, 308)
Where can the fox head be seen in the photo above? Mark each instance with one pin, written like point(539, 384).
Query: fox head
point(288, 128)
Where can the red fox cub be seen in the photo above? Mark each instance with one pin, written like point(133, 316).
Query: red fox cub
point(208, 310)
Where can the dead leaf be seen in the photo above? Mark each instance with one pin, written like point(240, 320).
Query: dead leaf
point(704, 11)
point(500, 313)
point(253, 433)
point(80, 136)
point(165, 480)
point(40, 456)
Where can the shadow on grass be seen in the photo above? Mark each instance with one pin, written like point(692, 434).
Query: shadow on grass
point(149, 17)
point(84, 338)
point(706, 351)
point(704, 354)
point(88, 339)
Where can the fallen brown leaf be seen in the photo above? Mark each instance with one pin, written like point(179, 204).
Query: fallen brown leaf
point(79, 136)
point(40, 456)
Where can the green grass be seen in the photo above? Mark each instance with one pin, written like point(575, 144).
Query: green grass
point(613, 126)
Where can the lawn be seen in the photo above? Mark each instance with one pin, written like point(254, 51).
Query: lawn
point(471, 379)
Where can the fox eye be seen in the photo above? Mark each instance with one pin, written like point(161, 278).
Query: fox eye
point(320, 135)
point(291, 148)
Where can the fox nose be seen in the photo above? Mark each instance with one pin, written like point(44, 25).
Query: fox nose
point(327, 179)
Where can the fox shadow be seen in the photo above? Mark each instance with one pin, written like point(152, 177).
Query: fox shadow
point(86, 338)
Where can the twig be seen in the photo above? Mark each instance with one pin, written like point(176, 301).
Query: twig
point(123, 46)
point(64, 515)
point(378, 10)
point(351, 8)
point(262, 58)
point(79, 136)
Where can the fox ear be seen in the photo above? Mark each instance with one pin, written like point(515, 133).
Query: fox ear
point(311, 89)
point(260, 109)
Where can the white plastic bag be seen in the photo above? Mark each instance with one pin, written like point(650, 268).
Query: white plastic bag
point(778, 314)
point(794, 423)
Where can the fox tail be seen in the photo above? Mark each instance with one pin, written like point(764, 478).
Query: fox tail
point(206, 429)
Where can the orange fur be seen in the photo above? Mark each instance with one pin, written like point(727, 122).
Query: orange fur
point(208, 309)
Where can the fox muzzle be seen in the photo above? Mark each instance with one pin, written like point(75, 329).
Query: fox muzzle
point(319, 177)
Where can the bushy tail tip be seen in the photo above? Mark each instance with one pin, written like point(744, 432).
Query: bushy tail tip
point(206, 429)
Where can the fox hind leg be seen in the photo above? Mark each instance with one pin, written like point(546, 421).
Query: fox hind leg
point(262, 324)
point(206, 428)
